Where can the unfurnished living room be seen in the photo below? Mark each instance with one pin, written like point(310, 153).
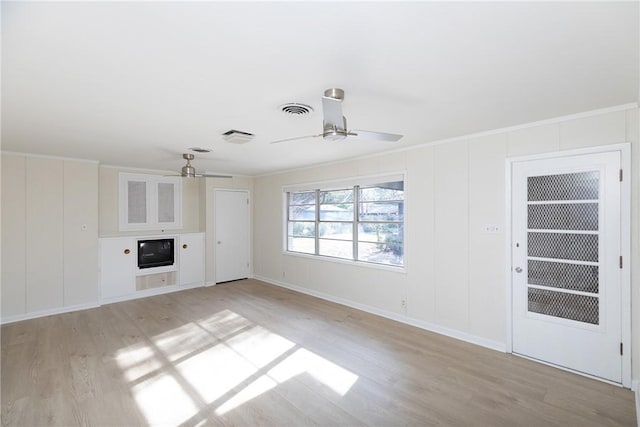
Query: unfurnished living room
point(320, 213)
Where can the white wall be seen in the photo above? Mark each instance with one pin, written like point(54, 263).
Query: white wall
point(50, 230)
point(455, 272)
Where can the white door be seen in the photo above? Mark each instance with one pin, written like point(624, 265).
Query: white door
point(118, 260)
point(191, 258)
point(231, 234)
point(566, 274)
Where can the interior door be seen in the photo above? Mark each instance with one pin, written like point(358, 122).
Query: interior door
point(232, 234)
point(566, 273)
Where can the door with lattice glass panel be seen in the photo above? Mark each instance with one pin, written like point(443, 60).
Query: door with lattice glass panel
point(566, 262)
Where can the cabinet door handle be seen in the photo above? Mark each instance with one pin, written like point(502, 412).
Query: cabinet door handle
point(127, 251)
point(185, 246)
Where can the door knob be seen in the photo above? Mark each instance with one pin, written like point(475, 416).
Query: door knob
point(518, 270)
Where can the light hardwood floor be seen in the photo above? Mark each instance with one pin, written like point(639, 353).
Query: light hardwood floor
point(248, 353)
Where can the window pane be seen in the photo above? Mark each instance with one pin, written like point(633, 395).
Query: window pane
point(387, 191)
point(302, 229)
point(379, 233)
point(341, 212)
point(336, 196)
point(381, 243)
point(305, 245)
point(305, 198)
point(303, 212)
point(382, 211)
point(380, 253)
point(336, 248)
point(336, 230)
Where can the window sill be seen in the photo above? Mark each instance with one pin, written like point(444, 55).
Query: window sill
point(391, 268)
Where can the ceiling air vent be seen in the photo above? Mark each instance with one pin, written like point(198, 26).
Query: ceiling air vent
point(295, 109)
point(237, 136)
point(200, 150)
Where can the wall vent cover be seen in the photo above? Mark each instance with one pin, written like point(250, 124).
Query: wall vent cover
point(296, 109)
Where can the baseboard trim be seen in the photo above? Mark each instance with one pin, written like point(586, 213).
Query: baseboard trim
point(78, 307)
point(49, 312)
point(635, 384)
point(438, 329)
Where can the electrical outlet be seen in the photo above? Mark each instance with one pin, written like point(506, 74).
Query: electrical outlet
point(403, 302)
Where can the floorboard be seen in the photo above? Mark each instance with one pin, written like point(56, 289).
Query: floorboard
point(249, 353)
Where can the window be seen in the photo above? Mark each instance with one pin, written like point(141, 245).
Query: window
point(363, 222)
point(149, 202)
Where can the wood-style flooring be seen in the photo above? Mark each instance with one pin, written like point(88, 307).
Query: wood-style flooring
point(248, 353)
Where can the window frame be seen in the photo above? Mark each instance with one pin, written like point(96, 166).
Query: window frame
point(355, 185)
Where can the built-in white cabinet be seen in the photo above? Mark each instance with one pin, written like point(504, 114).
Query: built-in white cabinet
point(191, 265)
point(121, 277)
point(117, 266)
point(149, 202)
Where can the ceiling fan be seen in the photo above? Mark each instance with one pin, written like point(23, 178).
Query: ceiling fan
point(335, 124)
point(189, 171)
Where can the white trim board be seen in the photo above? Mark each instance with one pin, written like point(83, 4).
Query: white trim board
point(48, 312)
point(452, 333)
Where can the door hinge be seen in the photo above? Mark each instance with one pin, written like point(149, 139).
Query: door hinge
point(620, 175)
point(620, 349)
point(620, 261)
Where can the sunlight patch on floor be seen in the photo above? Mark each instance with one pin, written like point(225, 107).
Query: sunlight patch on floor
point(259, 345)
point(224, 323)
point(163, 401)
point(328, 373)
point(215, 371)
point(224, 360)
point(253, 390)
point(137, 361)
point(182, 341)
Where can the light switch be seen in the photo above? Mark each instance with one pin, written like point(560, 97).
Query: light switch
point(491, 228)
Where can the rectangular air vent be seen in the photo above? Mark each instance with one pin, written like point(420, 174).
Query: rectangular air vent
point(237, 136)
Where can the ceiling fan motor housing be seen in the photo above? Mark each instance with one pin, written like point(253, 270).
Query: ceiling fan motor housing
point(189, 171)
point(334, 133)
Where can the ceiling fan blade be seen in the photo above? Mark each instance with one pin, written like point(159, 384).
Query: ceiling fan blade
point(332, 112)
point(374, 136)
point(294, 139)
point(212, 175)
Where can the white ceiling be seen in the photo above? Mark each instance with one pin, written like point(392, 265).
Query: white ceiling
point(137, 83)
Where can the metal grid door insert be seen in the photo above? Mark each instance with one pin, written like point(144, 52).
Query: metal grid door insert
point(563, 225)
